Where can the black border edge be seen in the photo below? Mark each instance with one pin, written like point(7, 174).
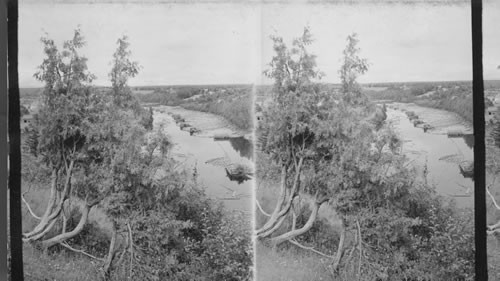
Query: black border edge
point(481, 265)
point(479, 141)
point(15, 218)
point(3, 142)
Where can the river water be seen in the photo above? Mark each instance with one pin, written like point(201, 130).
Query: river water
point(434, 148)
point(195, 150)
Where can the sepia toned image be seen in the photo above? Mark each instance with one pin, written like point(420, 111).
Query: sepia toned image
point(137, 140)
point(365, 143)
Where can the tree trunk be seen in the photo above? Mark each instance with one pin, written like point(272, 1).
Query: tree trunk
point(340, 249)
point(273, 229)
point(44, 221)
point(281, 199)
point(296, 232)
point(281, 211)
point(67, 235)
point(111, 254)
point(54, 206)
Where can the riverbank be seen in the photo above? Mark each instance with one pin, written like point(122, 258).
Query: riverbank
point(233, 102)
point(207, 157)
point(492, 174)
point(209, 125)
point(435, 156)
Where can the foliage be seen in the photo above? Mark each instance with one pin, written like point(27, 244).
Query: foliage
point(24, 111)
point(352, 67)
point(58, 133)
point(336, 150)
point(123, 69)
point(455, 97)
point(458, 100)
point(495, 133)
point(235, 107)
point(228, 237)
point(97, 151)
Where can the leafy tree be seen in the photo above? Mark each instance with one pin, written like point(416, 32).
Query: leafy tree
point(99, 153)
point(123, 69)
point(58, 130)
point(333, 150)
point(353, 66)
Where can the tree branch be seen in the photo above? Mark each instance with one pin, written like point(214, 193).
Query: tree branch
point(260, 208)
point(29, 208)
point(360, 249)
point(294, 233)
point(131, 249)
point(492, 197)
point(80, 251)
point(293, 241)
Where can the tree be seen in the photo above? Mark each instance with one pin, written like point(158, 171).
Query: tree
point(288, 117)
point(123, 69)
point(332, 150)
point(353, 66)
point(100, 154)
point(311, 130)
point(59, 129)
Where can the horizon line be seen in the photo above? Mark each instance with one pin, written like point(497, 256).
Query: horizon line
point(270, 84)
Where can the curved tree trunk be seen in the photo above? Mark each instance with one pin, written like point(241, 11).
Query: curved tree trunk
point(296, 232)
point(67, 235)
point(44, 221)
point(54, 206)
point(281, 210)
point(268, 232)
point(279, 203)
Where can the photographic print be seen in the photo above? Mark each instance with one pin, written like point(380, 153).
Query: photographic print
point(254, 140)
point(137, 140)
point(364, 142)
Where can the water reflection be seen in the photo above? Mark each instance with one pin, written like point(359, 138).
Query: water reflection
point(239, 177)
point(205, 153)
point(243, 146)
point(469, 140)
point(434, 151)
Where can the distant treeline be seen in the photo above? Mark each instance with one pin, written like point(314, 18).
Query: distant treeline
point(237, 109)
point(451, 96)
point(30, 93)
point(233, 102)
point(453, 100)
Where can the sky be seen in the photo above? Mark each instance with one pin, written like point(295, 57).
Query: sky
point(228, 42)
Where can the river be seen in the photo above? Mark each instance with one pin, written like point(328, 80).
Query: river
point(195, 150)
point(441, 153)
point(433, 148)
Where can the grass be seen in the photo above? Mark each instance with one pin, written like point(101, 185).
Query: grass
point(493, 215)
point(54, 265)
point(59, 266)
point(289, 264)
